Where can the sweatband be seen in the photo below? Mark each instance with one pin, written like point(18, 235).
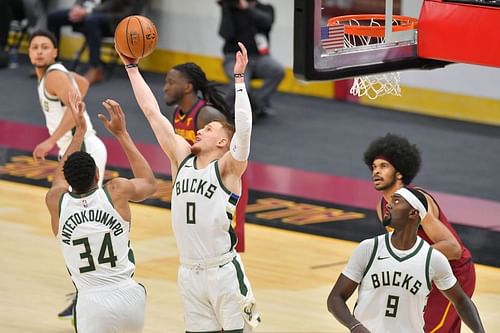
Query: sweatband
point(240, 144)
point(413, 201)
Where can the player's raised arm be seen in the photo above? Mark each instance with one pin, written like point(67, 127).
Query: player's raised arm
point(174, 146)
point(59, 184)
point(235, 161)
point(143, 184)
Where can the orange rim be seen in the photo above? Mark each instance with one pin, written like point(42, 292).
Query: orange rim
point(405, 23)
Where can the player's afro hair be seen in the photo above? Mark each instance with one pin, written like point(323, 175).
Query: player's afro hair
point(397, 150)
point(79, 171)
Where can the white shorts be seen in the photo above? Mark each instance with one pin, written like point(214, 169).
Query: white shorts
point(96, 148)
point(214, 298)
point(119, 310)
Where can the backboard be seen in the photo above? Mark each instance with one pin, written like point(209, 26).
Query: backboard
point(322, 50)
point(445, 31)
point(464, 31)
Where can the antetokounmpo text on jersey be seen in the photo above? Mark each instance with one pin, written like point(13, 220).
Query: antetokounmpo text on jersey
point(91, 215)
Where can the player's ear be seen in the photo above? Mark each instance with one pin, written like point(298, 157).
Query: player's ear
point(414, 214)
point(189, 87)
point(222, 142)
point(399, 176)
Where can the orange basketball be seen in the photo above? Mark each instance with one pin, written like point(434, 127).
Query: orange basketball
point(136, 36)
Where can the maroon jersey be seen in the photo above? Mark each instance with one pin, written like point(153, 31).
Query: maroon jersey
point(466, 255)
point(185, 123)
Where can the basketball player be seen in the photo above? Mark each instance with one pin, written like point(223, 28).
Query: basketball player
point(207, 183)
point(92, 225)
point(198, 102)
point(55, 83)
point(394, 273)
point(394, 163)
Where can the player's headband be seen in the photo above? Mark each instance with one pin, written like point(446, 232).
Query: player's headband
point(413, 201)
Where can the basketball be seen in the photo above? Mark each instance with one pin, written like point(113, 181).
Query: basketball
point(136, 36)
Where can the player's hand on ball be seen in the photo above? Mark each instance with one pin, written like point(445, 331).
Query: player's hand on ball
point(126, 60)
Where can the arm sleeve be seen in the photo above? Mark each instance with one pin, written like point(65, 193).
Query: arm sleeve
point(440, 271)
point(240, 144)
point(358, 262)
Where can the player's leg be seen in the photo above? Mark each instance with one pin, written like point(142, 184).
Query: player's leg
point(198, 313)
point(232, 296)
point(67, 312)
point(272, 72)
point(96, 148)
point(239, 217)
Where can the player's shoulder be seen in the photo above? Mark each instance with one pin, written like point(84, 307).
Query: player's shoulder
point(437, 256)
point(57, 73)
point(118, 184)
point(57, 67)
point(370, 243)
point(54, 197)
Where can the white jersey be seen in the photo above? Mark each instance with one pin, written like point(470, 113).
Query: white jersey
point(94, 240)
point(202, 211)
point(394, 284)
point(54, 110)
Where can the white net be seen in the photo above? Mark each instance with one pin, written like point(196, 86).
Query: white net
point(371, 86)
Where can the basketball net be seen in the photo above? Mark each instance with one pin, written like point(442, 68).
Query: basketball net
point(371, 86)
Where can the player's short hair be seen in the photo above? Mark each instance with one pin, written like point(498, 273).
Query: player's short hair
point(80, 171)
point(44, 33)
point(397, 150)
point(228, 127)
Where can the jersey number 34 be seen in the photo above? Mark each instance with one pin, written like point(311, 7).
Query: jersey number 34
point(106, 254)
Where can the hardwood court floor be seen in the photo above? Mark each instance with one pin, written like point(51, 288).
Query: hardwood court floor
point(292, 273)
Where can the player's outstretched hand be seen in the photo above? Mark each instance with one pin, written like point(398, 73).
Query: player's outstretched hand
point(116, 124)
point(241, 60)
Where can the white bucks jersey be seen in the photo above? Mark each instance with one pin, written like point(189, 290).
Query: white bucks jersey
point(94, 240)
point(202, 211)
point(393, 292)
point(54, 110)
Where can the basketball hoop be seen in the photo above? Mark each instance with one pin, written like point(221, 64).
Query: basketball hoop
point(369, 29)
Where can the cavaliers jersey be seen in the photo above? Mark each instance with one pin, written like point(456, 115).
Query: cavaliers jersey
point(185, 124)
point(94, 240)
point(54, 110)
point(202, 211)
point(466, 255)
point(393, 284)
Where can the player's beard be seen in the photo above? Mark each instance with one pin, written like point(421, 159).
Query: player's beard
point(387, 220)
point(195, 149)
point(388, 185)
point(173, 99)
